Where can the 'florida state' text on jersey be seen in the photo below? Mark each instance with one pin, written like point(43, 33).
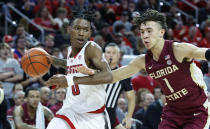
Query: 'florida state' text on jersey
point(81, 98)
point(182, 83)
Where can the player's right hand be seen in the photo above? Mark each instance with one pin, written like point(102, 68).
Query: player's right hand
point(59, 80)
point(85, 70)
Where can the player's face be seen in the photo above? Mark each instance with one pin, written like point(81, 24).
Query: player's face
point(112, 54)
point(33, 98)
point(151, 33)
point(80, 31)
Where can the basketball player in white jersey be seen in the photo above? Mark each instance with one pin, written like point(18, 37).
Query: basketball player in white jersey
point(83, 107)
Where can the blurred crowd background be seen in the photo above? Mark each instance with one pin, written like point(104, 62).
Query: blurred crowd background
point(25, 24)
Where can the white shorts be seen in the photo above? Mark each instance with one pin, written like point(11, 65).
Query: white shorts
point(78, 121)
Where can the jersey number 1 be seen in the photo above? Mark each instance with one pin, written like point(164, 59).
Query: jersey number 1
point(168, 85)
point(75, 89)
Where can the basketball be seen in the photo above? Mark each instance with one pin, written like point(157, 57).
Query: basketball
point(35, 62)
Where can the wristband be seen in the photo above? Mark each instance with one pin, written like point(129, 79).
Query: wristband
point(207, 54)
point(70, 80)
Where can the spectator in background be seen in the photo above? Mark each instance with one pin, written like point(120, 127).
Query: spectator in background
point(46, 21)
point(149, 99)
point(140, 95)
point(44, 95)
point(9, 40)
point(170, 34)
point(20, 32)
point(122, 45)
point(10, 70)
point(17, 87)
point(194, 36)
point(157, 93)
point(143, 80)
point(123, 21)
point(21, 47)
point(105, 33)
point(60, 95)
point(206, 40)
point(49, 43)
point(62, 36)
point(121, 109)
point(25, 115)
point(19, 99)
point(152, 116)
point(61, 18)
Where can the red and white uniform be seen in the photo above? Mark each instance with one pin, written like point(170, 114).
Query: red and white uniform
point(84, 104)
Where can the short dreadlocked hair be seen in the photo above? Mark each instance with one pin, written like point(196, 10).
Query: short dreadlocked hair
point(151, 15)
point(88, 15)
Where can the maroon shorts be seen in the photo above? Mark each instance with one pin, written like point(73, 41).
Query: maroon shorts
point(197, 120)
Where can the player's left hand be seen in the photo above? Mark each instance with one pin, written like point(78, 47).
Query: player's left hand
point(127, 122)
point(59, 80)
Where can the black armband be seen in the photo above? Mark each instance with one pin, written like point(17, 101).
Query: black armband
point(207, 54)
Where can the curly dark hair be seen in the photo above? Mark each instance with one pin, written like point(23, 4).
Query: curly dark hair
point(151, 15)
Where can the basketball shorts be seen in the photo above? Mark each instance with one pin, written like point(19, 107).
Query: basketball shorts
point(197, 120)
point(78, 121)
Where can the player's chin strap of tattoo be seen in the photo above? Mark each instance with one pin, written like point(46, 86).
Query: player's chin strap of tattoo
point(207, 54)
point(70, 80)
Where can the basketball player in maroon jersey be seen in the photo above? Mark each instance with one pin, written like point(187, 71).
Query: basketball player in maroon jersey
point(171, 64)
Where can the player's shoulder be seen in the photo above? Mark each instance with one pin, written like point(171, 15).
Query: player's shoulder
point(180, 45)
point(93, 46)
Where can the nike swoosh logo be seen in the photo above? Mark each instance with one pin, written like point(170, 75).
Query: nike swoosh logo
point(195, 114)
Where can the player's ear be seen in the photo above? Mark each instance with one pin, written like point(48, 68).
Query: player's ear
point(162, 31)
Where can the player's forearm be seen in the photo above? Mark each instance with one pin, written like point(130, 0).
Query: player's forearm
point(99, 78)
point(131, 104)
point(122, 73)
point(59, 62)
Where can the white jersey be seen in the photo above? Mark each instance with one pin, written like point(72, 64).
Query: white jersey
point(81, 98)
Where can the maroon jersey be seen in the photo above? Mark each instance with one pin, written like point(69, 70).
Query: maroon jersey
point(27, 119)
point(182, 83)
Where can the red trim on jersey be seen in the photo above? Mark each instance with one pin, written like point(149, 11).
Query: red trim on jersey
point(100, 110)
point(67, 120)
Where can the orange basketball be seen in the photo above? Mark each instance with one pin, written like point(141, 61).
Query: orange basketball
point(35, 62)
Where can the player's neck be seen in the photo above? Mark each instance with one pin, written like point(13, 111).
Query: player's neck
point(75, 51)
point(157, 49)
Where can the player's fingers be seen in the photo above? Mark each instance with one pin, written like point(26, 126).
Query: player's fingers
point(85, 70)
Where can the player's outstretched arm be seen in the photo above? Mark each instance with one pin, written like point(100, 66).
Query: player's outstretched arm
point(186, 51)
point(121, 73)
point(58, 62)
point(129, 70)
point(18, 114)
